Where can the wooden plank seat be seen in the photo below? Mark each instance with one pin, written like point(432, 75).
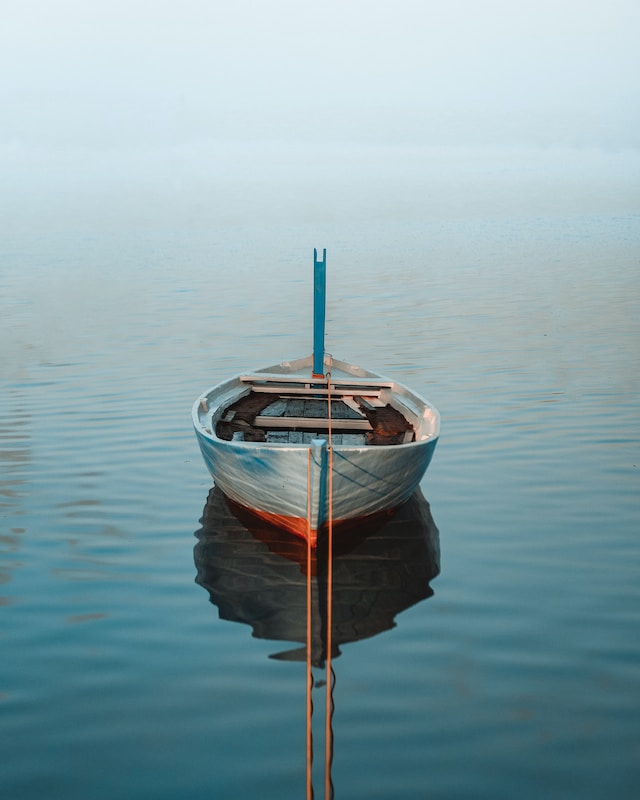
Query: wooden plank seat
point(294, 385)
point(355, 383)
point(316, 423)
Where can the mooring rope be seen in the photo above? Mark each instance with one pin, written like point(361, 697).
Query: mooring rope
point(328, 739)
point(330, 674)
point(309, 638)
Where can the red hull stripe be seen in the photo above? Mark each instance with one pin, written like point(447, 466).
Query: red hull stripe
point(298, 525)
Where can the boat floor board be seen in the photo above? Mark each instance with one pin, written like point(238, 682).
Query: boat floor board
point(266, 417)
point(306, 437)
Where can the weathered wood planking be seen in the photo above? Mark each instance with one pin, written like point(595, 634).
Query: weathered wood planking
point(312, 408)
point(312, 422)
point(356, 384)
point(336, 387)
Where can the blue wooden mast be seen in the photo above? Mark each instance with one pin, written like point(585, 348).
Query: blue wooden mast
point(319, 296)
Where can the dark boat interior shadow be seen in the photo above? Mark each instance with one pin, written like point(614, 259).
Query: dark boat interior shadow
point(256, 574)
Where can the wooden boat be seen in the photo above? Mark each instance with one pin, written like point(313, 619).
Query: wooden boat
point(316, 439)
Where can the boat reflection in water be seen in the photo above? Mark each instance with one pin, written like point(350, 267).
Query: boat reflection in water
point(257, 574)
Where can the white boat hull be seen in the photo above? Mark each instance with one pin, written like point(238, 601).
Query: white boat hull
point(300, 487)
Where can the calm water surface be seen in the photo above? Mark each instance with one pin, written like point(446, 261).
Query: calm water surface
point(503, 286)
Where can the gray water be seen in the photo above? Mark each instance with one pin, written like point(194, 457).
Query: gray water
point(502, 285)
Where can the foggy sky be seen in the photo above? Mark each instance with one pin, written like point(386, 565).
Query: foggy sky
point(90, 73)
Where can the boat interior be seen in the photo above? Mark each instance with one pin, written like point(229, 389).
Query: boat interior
point(293, 411)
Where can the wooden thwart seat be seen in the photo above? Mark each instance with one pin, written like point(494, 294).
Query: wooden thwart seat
point(279, 384)
point(312, 422)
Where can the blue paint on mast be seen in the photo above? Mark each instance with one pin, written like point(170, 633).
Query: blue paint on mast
point(319, 295)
